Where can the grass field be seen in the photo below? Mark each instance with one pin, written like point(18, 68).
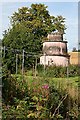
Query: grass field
point(71, 80)
point(69, 84)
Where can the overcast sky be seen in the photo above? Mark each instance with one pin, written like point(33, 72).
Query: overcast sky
point(69, 10)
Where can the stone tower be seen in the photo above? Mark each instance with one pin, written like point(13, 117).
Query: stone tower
point(55, 51)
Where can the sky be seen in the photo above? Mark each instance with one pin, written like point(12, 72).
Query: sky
point(68, 10)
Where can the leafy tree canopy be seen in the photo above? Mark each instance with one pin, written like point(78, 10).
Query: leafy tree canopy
point(34, 21)
point(30, 26)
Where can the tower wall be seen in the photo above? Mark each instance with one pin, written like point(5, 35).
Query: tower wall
point(51, 48)
point(55, 51)
point(54, 60)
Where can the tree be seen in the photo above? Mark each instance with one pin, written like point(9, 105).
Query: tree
point(29, 27)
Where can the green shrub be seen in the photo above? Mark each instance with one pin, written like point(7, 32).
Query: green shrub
point(14, 87)
point(58, 71)
point(73, 70)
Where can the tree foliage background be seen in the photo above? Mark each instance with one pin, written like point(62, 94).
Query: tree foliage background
point(29, 28)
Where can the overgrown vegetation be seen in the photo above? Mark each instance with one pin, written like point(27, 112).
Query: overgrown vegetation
point(39, 98)
point(58, 71)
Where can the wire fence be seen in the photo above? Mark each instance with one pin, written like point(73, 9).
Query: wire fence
point(23, 54)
